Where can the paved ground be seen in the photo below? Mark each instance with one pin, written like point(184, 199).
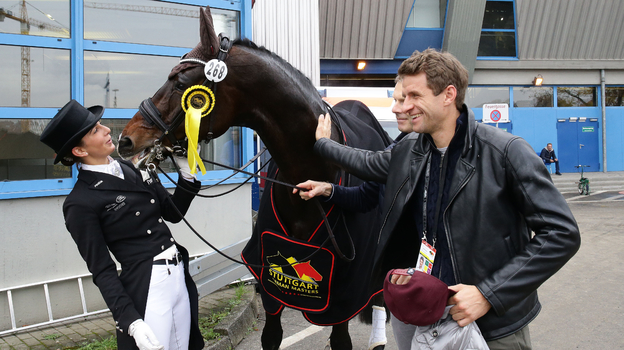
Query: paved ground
point(73, 334)
point(581, 303)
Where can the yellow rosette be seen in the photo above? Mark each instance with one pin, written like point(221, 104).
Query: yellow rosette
point(197, 102)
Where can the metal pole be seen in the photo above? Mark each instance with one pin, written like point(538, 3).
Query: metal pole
point(604, 120)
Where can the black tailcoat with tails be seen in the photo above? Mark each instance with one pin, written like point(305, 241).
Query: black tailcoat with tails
point(104, 213)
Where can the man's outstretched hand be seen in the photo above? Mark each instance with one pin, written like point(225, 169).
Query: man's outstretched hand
point(314, 188)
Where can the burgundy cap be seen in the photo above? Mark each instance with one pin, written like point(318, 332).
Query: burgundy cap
point(420, 302)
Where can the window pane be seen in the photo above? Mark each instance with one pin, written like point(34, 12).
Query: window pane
point(538, 96)
point(41, 18)
point(427, 14)
point(497, 44)
point(614, 96)
point(123, 80)
point(152, 22)
point(476, 97)
point(23, 156)
point(225, 149)
point(498, 15)
point(47, 85)
point(576, 96)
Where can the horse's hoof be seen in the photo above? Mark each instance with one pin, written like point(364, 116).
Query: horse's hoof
point(379, 347)
point(339, 345)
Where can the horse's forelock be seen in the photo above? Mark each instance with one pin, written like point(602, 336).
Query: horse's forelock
point(198, 52)
point(179, 68)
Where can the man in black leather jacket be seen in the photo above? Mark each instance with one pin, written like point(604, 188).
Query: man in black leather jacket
point(499, 225)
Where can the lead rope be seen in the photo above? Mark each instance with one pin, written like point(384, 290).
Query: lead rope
point(238, 261)
point(330, 232)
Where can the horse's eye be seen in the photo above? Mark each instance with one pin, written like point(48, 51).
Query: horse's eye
point(180, 86)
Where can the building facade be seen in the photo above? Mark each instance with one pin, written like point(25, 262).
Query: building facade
point(113, 53)
point(575, 47)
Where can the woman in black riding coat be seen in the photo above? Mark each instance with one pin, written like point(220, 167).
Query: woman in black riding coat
point(114, 208)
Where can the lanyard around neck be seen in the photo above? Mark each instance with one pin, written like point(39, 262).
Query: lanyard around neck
point(425, 194)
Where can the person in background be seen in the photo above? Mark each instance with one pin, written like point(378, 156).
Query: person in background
point(368, 195)
point(114, 207)
point(362, 199)
point(548, 156)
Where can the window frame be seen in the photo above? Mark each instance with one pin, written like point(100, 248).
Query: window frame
point(612, 86)
point(514, 30)
point(597, 95)
point(77, 45)
point(553, 96)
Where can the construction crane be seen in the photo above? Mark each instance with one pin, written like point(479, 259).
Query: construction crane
point(135, 8)
point(148, 9)
point(25, 24)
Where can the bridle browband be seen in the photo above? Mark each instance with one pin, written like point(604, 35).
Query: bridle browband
point(152, 115)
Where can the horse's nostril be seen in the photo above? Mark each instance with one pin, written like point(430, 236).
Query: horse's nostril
point(125, 143)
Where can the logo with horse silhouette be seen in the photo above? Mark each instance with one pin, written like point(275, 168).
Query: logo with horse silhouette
point(291, 276)
point(301, 277)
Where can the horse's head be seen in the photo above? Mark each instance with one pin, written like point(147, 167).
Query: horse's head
point(162, 118)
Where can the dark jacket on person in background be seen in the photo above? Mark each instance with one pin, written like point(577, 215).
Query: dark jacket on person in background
point(363, 198)
point(547, 155)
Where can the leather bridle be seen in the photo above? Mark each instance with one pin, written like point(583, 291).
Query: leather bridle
point(153, 117)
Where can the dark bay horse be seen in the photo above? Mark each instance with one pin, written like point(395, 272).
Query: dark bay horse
point(265, 93)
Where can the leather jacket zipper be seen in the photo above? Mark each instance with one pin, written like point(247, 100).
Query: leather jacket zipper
point(441, 183)
point(447, 230)
point(390, 209)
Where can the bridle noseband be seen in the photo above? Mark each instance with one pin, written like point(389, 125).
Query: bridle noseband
point(153, 117)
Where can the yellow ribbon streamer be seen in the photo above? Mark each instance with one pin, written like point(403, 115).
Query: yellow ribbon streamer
point(192, 121)
point(197, 102)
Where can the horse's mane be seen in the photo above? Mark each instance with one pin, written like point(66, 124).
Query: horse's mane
point(294, 72)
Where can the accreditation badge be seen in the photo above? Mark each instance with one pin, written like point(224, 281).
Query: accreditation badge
point(425, 258)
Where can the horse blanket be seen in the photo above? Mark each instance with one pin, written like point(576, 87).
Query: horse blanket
point(327, 289)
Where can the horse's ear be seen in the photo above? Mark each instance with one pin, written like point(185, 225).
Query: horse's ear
point(209, 39)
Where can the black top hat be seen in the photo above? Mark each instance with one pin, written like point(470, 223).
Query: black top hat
point(68, 127)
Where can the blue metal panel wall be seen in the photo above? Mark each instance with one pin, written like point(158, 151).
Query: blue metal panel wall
point(419, 39)
point(536, 125)
point(615, 135)
point(539, 126)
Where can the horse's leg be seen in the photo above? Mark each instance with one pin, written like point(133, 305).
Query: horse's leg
point(377, 340)
point(272, 332)
point(339, 338)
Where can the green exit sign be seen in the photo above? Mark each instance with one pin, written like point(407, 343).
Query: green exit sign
point(588, 129)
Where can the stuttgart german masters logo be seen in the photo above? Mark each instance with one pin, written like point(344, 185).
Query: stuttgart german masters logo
point(300, 278)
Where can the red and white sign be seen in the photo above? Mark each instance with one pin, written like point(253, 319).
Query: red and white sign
point(496, 113)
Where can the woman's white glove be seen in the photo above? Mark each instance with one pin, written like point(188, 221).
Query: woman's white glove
point(144, 336)
point(185, 170)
